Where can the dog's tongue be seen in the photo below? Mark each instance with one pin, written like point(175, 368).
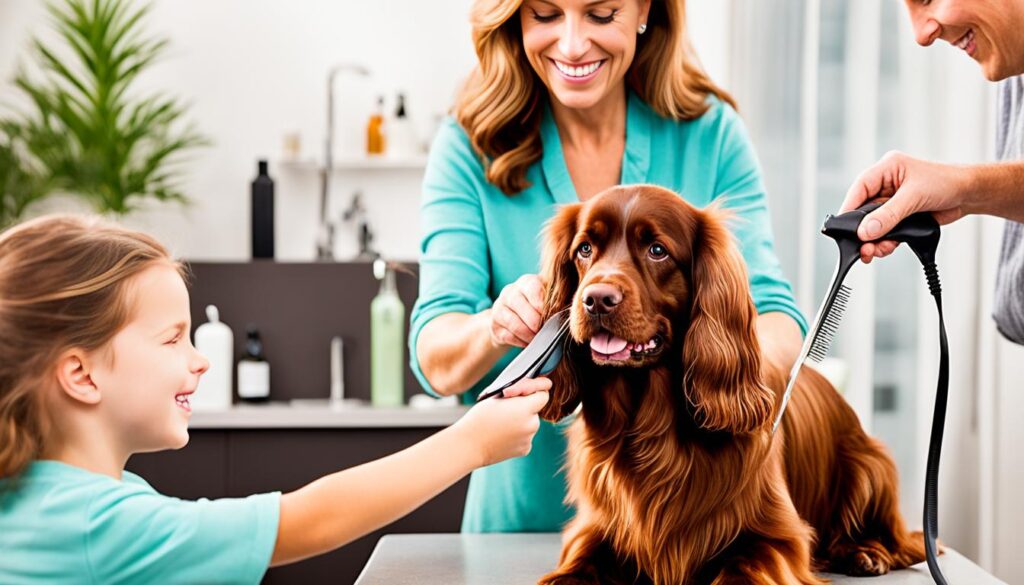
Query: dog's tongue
point(606, 343)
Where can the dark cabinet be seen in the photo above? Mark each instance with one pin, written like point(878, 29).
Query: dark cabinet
point(240, 462)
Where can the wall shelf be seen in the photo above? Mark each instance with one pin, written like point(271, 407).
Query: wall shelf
point(359, 163)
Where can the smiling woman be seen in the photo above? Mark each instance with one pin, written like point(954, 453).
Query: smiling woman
point(571, 97)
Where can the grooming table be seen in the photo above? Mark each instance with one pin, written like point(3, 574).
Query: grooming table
point(521, 559)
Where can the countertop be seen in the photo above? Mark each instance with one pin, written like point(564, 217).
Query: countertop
point(518, 559)
point(321, 414)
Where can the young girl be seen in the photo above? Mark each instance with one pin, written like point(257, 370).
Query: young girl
point(96, 364)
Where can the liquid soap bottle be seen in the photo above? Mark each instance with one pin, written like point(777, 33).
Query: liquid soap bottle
point(375, 140)
point(253, 370)
point(387, 340)
point(215, 341)
point(402, 141)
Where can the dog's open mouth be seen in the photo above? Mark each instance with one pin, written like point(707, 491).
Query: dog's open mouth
point(606, 348)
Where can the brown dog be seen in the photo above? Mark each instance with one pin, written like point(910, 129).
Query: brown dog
point(673, 468)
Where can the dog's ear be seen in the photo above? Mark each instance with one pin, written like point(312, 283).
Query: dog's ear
point(561, 281)
point(721, 354)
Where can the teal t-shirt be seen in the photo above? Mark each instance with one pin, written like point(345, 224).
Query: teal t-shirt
point(476, 240)
point(63, 524)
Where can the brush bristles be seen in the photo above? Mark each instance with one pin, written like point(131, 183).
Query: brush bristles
point(829, 325)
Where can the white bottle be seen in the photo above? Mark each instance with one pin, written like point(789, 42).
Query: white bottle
point(402, 140)
point(216, 342)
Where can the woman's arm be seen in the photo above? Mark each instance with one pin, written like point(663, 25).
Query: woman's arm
point(779, 335)
point(455, 350)
point(343, 506)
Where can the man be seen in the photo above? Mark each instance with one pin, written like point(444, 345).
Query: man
point(989, 32)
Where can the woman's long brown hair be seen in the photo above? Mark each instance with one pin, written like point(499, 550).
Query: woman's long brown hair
point(500, 105)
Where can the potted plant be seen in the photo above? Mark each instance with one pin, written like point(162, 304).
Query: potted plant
point(90, 132)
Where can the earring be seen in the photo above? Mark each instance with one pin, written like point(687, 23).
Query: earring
point(642, 29)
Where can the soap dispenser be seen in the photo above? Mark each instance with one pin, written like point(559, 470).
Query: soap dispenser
point(253, 370)
point(375, 137)
point(387, 340)
point(402, 141)
point(215, 341)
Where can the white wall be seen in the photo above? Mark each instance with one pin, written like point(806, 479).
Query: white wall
point(255, 70)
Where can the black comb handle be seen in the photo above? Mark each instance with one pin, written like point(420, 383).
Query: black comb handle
point(919, 230)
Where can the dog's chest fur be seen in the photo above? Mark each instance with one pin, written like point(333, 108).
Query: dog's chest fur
point(641, 468)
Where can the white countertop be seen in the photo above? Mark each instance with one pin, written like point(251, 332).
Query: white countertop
point(321, 414)
point(514, 559)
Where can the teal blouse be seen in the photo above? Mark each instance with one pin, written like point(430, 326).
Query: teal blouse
point(476, 240)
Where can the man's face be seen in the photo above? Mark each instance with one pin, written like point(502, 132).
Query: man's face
point(987, 30)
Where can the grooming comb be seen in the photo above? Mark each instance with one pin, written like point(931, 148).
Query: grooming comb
point(539, 357)
point(919, 230)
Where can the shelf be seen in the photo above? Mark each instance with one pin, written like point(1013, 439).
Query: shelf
point(360, 163)
point(305, 414)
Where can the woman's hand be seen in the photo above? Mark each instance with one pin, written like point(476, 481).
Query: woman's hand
point(912, 185)
point(503, 428)
point(516, 316)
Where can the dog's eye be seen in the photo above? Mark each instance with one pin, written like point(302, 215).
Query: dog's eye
point(584, 250)
point(658, 252)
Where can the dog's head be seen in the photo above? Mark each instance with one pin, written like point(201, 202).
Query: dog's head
point(653, 282)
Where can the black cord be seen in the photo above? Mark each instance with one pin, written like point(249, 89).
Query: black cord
point(931, 482)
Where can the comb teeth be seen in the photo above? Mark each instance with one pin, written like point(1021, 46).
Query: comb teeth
point(829, 325)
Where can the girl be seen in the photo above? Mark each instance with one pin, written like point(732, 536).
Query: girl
point(96, 364)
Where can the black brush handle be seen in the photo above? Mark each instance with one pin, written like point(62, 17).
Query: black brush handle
point(920, 230)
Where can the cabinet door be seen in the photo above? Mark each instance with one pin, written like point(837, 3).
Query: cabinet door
point(261, 461)
point(198, 470)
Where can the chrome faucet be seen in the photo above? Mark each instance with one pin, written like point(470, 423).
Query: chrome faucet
point(325, 234)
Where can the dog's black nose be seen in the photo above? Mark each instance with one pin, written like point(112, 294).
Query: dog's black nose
point(601, 299)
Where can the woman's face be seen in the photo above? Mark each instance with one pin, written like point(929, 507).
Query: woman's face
point(581, 49)
point(987, 30)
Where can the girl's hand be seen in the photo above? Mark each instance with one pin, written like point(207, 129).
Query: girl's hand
point(516, 315)
point(503, 428)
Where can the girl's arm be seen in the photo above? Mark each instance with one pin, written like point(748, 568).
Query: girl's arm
point(343, 506)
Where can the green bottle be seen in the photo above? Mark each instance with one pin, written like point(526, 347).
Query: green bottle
point(387, 340)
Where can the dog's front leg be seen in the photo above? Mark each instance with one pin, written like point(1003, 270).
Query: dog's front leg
point(762, 561)
point(587, 560)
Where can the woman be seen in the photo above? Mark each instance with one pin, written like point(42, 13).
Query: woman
point(570, 97)
point(988, 31)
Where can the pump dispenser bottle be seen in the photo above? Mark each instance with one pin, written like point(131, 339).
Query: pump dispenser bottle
point(387, 340)
point(375, 134)
point(253, 370)
point(215, 341)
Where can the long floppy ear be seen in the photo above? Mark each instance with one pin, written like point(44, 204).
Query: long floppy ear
point(721, 353)
point(561, 280)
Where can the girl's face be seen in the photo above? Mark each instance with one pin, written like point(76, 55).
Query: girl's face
point(581, 49)
point(987, 30)
point(150, 368)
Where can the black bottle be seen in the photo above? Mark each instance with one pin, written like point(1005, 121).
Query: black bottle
point(263, 214)
point(253, 370)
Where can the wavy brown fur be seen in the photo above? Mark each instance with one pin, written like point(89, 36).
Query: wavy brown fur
point(672, 466)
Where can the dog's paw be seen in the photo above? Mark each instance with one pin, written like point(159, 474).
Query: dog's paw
point(860, 560)
point(562, 579)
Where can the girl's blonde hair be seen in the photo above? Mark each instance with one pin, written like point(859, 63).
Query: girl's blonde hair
point(63, 285)
point(500, 105)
